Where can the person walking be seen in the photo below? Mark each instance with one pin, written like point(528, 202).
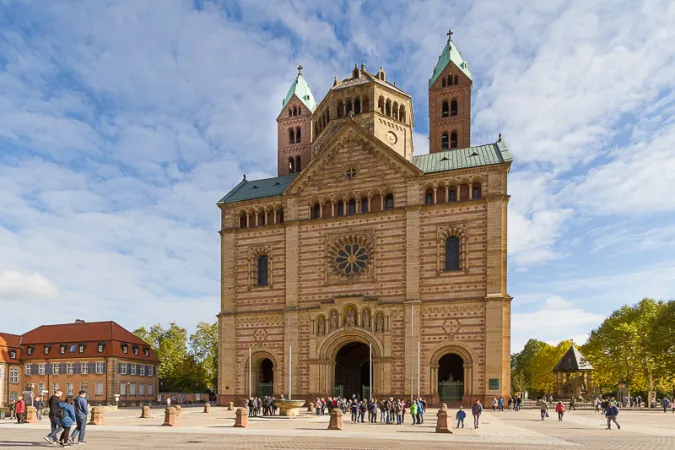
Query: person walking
point(20, 409)
point(39, 406)
point(53, 403)
point(66, 416)
point(494, 404)
point(665, 403)
point(543, 407)
point(413, 411)
point(81, 413)
point(460, 416)
point(611, 412)
point(573, 404)
point(560, 409)
point(501, 404)
point(476, 411)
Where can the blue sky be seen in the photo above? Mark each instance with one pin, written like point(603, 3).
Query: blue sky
point(123, 122)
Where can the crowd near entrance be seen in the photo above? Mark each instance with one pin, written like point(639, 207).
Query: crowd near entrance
point(352, 371)
point(265, 378)
point(451, 377)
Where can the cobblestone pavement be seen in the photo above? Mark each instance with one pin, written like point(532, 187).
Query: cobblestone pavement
point(507, 430)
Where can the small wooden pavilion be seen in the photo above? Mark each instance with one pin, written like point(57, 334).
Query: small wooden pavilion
point(573, 375)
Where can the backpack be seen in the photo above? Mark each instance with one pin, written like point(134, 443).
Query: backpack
point(61, 413)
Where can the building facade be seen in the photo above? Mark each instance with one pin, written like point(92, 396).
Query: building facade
point(363, 265)
point(10, 368)
point(102, 358)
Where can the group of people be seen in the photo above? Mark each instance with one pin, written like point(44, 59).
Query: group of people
point(261, 406)
point(63, 414)
point(390, 411)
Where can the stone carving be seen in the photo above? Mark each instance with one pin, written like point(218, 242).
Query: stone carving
point(451, 327)
point(379, 323)
point(333, 320)
point(322, 326)
point(260, 334)
point(365, 319)
point(351, 317)
point(350, 255)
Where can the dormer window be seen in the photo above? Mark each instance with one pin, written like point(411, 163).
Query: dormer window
point(82, 348)
point(72, 348)
point(30, 349)
point(63, 349)
point(146, 352)
point(125, 349)
point(47, 348)
point(136, 350)
point(99, 348)
point(12, 354)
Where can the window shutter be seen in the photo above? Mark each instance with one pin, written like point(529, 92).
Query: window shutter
point(92, 368)
point(138, 369)
point(63, 368)
point(105, 366)
point(119, 367)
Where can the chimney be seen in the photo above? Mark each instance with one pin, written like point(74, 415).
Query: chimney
point(79, 321)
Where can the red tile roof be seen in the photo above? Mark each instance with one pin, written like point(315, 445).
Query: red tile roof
point(109, 333)
point(9, 341)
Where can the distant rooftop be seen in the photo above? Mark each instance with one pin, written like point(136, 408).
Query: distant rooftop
point(573, 361)
point(250, 190)
point(450, 53)
point(462, 158)
point(300, 87)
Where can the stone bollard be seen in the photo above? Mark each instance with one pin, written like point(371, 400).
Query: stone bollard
point(241, 420)
point(31, 414)
point(179, 410)
point(170, 417)
point(96, 416)
point(230, 406)
point(336, 422)
point(145, 413)
point(310, 406)
point(442, 420)
point(207, 408)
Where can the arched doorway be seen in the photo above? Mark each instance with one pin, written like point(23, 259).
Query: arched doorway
point(352, 371)
point(264, 378)
point(451, 377)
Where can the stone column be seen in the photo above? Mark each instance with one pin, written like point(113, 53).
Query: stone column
point(145, 413)
point(96, 416)
point(241, 419)
point(442, 420)
point(31, 414)
point(336, 422)
point(170, 417)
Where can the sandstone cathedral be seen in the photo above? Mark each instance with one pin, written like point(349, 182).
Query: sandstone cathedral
point(362, 264)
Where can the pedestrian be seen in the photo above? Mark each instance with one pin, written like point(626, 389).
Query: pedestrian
point(413, 411)
point(476, 411)
point(66, 416)
point(362, 409)
point(420, 412)
point(665, 403)
point(573, 404)
point(20, 409)
point(611, 412)
point(543, 407)
point(53, 403)
point(494, 404)
point(81, 412)
point(460, 416)
point(501, 404)
point(398, 409)
point(39, 406)
point(560, 409)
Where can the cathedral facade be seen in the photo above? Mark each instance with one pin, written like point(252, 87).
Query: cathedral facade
point(363, 269)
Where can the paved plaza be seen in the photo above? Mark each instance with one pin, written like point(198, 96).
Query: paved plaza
point(506, 430)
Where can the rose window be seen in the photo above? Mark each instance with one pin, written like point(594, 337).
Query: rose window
point(352, 259)
point(350, 256)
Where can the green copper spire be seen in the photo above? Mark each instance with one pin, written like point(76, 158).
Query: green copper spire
point(300, 87)
point(450, 53)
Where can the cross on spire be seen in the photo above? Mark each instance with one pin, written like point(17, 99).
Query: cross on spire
point(299, 69)
point(450, 33)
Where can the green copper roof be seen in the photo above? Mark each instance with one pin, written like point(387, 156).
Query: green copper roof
point(462, 158)
point(300, 87)
point(250, 190)
point(450, 53)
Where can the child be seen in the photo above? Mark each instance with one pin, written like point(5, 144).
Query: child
point(560, 409)
point(460, 416)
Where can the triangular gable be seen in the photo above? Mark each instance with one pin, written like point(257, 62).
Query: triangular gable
point(351, 130)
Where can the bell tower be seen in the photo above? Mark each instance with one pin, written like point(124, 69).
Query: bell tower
point(450, 101)
point(294, 123)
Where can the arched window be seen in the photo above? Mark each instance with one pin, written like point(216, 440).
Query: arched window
point(298, 165)
point(389, 202)
point(340, 109)
point(242, 220)
point(443, 82)
point(452, 195)
point(291, 165)
point(357, 106)
point(270, 216)
point(453, 139)
point(290, 113)
point(262, 218)
point(475, 194)
point(364, 205)
point(444, 109)
point(429, 197)
point(380, 104)
point(340, 208)
point(280, 216)
point(401, 114)
point(395, 111)
point(366, 104)
point(450, 80)
point(291, 136)
point(349, 106)
point(298, 135)
point(351, 207)
point(263, 270)
point(387, 108)
point(444, 141)
point(452, 253)
point(456, 79)
point(316, 211)
point(453, 108)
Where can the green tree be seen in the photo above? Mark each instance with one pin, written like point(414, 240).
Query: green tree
point(170, 345)
point(204, 350)
point(543, 363)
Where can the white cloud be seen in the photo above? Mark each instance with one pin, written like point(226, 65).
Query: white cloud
point(16, 286)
